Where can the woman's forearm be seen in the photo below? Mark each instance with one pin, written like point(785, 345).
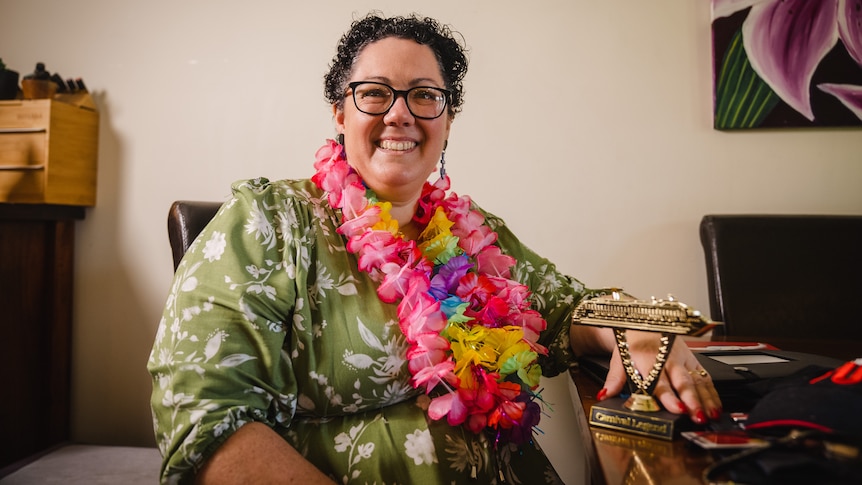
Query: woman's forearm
point(257, 454)
point(587, 340)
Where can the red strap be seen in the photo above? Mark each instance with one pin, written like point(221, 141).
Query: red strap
point(793, 423)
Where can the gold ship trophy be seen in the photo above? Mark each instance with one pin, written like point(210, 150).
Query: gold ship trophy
point(668, 317)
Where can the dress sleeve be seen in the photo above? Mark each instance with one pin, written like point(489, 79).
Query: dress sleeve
point(217, 361)
point(553, 294)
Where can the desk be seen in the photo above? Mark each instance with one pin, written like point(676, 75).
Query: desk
point(622, 458)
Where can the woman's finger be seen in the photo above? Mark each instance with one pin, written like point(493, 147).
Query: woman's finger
point(616, 378)
point(696, 390)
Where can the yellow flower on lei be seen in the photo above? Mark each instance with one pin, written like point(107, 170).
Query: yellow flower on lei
point(438, 242)
point(469, 348)
point(386, 222)
point(501, 350)
point(524, 364)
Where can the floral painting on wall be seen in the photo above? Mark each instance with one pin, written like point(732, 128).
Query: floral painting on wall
point(787, 63)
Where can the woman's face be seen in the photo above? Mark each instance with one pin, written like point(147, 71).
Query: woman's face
point(394, 152)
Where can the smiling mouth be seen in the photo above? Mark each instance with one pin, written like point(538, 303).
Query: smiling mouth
point(399, 146)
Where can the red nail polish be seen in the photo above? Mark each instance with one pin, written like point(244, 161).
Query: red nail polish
point(601, 394)
point(714, 414)
point(682, 407)
point(699, 417)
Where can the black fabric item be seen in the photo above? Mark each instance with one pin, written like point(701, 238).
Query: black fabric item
point(794, 467)
point(814, 426)
point(795, 402)
point(825, 408)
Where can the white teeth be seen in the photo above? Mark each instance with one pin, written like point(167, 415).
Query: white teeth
point(397, 145)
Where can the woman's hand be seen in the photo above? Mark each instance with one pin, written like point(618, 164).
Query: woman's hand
point(683, 386)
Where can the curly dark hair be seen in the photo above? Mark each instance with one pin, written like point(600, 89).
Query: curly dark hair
point(426, 31)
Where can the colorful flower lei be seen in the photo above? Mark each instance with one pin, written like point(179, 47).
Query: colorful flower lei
point(468, 325)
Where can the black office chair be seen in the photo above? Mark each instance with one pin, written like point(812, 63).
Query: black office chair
point(789, 276)
point(186, 219)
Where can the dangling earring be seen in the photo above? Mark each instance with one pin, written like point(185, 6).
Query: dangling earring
point(339, 138)
point(443, 160)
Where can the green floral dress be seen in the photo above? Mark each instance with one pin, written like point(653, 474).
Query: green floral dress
point(269, 319)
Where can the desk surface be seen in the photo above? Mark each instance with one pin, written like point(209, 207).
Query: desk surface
point(619, 458)
point(831, 346)
point(622, 458)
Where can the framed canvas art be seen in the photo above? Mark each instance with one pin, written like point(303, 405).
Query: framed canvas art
point(787, 63)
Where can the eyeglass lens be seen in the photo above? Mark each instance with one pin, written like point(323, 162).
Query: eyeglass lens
point(377, 98)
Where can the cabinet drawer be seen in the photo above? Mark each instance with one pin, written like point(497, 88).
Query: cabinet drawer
point(22, 164)
point(25, 114)
point(19, 148)
point(22, 185)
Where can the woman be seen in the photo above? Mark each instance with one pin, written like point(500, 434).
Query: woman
point(364, 326)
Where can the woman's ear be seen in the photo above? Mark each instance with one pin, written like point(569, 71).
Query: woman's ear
point(338, 115)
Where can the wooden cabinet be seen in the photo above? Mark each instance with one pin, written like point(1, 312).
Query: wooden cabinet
point(48, 152)
point(36, 262)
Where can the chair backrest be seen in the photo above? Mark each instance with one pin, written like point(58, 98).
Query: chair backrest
point(186, 219)
point(784, 275)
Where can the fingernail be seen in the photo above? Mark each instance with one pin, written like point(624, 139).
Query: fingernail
point(601, 394)
point(682, 407)
point(699, 417)
point(714, 414)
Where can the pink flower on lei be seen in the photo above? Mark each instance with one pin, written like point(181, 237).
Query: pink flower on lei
point(357, 226)
point(492, 261)
point(377, 248)
point(333, 176)
point(402, 276)
point(419, 312)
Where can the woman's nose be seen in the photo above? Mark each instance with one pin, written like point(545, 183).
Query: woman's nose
point(399, 113)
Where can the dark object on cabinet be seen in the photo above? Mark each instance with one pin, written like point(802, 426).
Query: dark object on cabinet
point(788, 276)
point(8, 83)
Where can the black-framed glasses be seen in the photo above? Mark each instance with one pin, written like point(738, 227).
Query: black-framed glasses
point(424, 102)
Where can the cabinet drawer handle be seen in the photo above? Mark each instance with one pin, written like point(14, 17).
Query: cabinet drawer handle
point(12, 131)
point(21, 168)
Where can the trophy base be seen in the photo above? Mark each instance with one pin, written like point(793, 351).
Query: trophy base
point(613, 414)
point(642, 402)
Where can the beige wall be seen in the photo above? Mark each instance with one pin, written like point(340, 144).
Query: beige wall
point(587, 127)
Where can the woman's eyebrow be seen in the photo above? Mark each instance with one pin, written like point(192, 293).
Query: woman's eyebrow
point(414, 82)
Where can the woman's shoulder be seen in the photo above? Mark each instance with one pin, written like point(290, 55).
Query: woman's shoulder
point(266, 193)
point(492, 220)
point(262, 187)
